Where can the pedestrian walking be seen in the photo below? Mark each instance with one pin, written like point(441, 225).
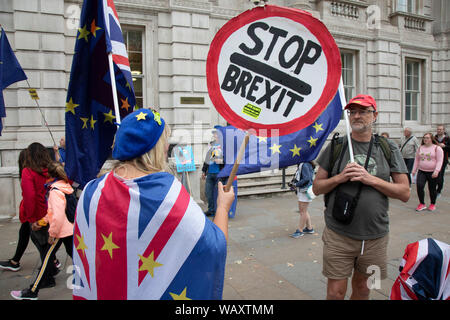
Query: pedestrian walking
point(304, 179)
point(211, 167)
point(408, 147)
point(443, 140)
point(13, 264)
point(428, 163)
point(356, 202)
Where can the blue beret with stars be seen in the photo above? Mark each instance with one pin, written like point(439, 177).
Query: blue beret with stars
point(137, 134)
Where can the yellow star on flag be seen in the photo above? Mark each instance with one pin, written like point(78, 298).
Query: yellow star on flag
point(109, 244)
point(275, 148)
point(141, 116)
point(295, 151)
point(312, 141)
point(85, 120)
point(181, 296)
point(81, 245)
point(92, 121)
point(70, 106)
point(83, 33)
point(318, 127)
point(149, 264)
point(94, 28)
point(109, 117)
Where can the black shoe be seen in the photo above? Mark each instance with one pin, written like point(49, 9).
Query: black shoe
point(8, 265)
point(25, 294)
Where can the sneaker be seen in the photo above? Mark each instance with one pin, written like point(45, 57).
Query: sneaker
point(8, 265)
point(432, 207)
point(25, 294)
point(57, 264)
point(309, 231)
point(421, 207)
point(296, 234)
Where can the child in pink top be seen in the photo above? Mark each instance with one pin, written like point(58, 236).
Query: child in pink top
point(427, 165)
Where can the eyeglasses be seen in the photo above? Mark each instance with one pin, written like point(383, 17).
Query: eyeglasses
point(363, 112)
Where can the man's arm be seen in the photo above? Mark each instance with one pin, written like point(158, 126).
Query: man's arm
point(397, 189)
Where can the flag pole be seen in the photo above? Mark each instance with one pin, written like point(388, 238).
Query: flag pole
point(347, 121)
point(237, 161)
point(113, 88)
point(42, 114)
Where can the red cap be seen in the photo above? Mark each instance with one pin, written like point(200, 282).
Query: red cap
point(363, 100)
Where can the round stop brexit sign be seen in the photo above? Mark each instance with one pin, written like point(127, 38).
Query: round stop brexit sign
point(273, 68)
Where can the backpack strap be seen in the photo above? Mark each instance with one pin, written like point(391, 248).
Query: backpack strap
point(336, 147)
point(384, 144)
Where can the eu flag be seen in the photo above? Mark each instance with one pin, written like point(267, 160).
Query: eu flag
point(10, 71)
point(90, 116)
point(267, 153)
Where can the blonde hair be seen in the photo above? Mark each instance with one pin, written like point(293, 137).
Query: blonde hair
point(152, 161)
point(56, 170)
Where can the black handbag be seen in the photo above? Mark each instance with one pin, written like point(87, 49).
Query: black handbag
point(344, 204)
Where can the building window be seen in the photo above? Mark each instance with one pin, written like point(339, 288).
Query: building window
point(412, 90)
point(407, 6)
point(133, 42)
point(348, 74)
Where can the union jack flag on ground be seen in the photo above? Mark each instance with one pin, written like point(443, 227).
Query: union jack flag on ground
point(145, 239)
point(90, 113)
point(424, 272)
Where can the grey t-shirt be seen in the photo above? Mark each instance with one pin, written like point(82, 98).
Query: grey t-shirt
point(371, 220)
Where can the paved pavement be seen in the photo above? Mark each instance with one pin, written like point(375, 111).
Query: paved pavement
point(263, 262)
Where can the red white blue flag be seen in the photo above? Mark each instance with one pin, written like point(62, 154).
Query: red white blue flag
point(424, 272)
point(145, 239)
point(114, 40)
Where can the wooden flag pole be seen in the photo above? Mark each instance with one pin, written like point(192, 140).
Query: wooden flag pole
point(113, 88)
point(236, 162)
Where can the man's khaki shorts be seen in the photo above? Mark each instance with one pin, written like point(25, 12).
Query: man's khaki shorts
point(342, 254)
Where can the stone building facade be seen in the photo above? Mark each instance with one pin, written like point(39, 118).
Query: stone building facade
point(398, 51)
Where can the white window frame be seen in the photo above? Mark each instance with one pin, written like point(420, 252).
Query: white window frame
point(414, 90)
point(424, 103)
point(409, 6)
point(351, 86)
point(149, 65)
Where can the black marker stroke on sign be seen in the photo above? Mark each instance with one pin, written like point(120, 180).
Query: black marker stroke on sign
point(272, 73)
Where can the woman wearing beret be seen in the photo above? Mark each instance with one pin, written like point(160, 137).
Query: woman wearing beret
point(138, 234)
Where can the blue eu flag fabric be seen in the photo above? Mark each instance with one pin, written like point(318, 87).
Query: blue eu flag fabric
point(90, 116)
point(267, 153)
point(10, 71)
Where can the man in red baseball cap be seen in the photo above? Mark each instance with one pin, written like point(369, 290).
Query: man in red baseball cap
point(362, 100)
point(357, 247)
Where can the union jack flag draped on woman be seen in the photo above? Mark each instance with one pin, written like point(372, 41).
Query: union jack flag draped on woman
point(145, 238)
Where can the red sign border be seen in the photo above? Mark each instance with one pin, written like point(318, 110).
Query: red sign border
point(316, 27)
